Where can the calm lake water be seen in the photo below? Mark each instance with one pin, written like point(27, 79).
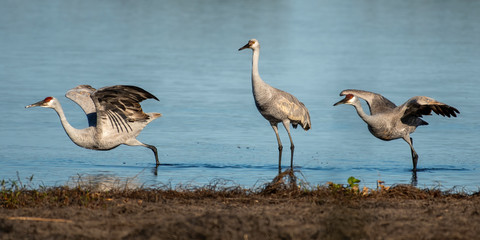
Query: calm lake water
point(185, 53)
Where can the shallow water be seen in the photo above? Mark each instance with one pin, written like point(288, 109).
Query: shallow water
point(185, 53)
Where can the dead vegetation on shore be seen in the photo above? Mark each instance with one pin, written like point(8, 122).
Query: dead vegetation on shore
point(13, 194)
point(281, 209)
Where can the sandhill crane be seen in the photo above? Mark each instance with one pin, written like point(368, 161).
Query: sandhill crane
point(114, 116)
point(276, 105)
point(387, 121)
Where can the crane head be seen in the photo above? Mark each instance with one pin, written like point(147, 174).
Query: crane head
point(349, 99)
point(252, 43)
point(47, 102)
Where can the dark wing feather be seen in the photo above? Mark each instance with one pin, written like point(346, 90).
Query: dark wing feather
point(421, 105)
point(119, 105)
point(376, 102)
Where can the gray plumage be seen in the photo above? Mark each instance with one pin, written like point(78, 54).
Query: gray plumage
point(387, 121)
point(114, 116)
point(276, 105)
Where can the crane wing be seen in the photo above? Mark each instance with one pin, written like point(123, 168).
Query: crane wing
point(296, 111)
point(119, 105)
point(81, 95)
point(376, 102)
point(421, 105)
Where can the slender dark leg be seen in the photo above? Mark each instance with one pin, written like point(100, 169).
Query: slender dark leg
point(409, 140)
point(135, 142)
point(414, 156)
point(280, 147)
point(154, 149)
point(292, 147)
point(414, 178)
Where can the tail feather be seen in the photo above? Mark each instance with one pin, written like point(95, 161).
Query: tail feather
point(298, 114)
point(156, 115)
point(153, 116)
point(306, 124)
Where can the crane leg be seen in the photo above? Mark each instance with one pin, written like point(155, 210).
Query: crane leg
point(155, 152)
point(286, 124)
point(135, 142)
point(409, 140)
point(414, 179)
point(280, 147)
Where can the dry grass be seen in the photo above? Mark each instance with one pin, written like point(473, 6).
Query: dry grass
point(285, 208)
point(13, 194)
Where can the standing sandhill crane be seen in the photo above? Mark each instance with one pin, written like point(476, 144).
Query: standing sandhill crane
point(388, 122)
point(114, 116)
point(276, 105)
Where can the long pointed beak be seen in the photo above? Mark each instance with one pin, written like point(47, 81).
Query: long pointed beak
point(246, 46)
point(37, 104)
point(343, 101)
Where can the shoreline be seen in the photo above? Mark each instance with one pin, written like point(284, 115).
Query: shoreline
point(280, 210)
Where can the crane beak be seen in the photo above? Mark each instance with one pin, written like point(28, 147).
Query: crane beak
point(246, 46)
point(343, 101)
point(37, 104)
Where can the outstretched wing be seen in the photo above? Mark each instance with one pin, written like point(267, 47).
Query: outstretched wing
point(81, 95)
point(119, 105)
point(376, 102)
point(421, 105)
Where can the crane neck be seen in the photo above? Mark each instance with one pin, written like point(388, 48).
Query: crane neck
point(73, 133)
point(361, 113)
point(255, 57)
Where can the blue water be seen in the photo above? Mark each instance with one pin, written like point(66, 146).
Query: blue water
point(185, 53)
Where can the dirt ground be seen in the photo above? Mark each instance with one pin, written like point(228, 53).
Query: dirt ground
point(328, 212)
